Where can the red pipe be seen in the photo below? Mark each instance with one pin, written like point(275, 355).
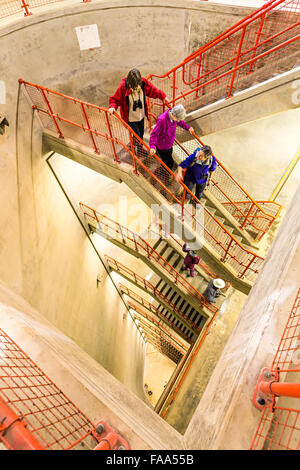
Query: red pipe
point(13, 431)
point(281, 389)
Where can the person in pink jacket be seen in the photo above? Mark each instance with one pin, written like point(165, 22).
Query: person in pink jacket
point(163, 135)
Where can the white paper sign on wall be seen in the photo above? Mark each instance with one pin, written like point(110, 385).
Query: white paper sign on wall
point(88, 36)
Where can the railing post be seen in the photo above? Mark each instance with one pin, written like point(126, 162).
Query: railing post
point(248, 214)
point(262, 20)
point(135, 243)
point(182, 204)
point(25, 6)
point(111, 136)
point(174, 87)
point(89, 127)
point(227, 250)
point(51, 113)
point(198, 75)
point(121, 232)
point(133, 154)
point(247, 267)
point(236, 61)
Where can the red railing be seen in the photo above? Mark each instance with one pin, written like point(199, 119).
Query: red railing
point(257, 217)
point(155, 310)
point(36, 415)
point(279, 425)
point(264, 43)
point(93, 127)
point(166, 343)
point(128, 238)
point(141, 315)
point(175, 384)
point(11, 7)
point(150, 288)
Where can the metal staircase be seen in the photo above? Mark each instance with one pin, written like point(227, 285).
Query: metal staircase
point(257, 48)
point(80, 130)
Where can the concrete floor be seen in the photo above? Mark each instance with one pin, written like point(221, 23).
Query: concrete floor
point(158, 370)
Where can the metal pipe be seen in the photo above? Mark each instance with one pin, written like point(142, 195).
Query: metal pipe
point(281, 389)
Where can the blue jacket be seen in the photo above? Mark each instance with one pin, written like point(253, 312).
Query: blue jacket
point(197, 173)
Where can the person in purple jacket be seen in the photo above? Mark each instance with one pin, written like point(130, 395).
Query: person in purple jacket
point(163, 135)
point(190, 260)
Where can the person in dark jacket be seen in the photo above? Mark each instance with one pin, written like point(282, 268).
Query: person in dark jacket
point(190, 260)
point(199, 167)
point(213, 290)
point(130, 96)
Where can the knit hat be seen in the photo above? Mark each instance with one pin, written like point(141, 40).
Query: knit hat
point(179, 112)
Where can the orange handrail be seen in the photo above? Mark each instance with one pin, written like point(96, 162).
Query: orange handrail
point(155, 310)
point(140, 281)
point(243, 261)
point(139, 312)
point(141, 245)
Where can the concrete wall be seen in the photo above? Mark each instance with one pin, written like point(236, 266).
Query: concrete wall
point(273, 96)
point(44, 252)
point(84, 381)
point(226, 417)
point(59, 266)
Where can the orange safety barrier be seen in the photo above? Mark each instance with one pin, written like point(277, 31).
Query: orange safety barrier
point(150, 288)
point(36, 415)
point(94, 127)
point(155, 310)
point(134, 241)
point(251, 215)
point(11, 7)
point(254, 49)
point(279, 425)
point(174, 386)
point(140, 314)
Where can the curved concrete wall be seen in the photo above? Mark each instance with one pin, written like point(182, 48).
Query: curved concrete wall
point(45, 255)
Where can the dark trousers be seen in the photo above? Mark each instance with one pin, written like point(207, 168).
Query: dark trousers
point(166, 156)
point(138, 127)
point(199, 188)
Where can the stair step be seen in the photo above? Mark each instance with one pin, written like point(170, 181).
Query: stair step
point(221, 220)
point(164, 251)
point(159, 245)
point(191, 313)
point(165, 289)
point(194, 316)
point(173, 259)
point(160, 284)
point(174, 296)
point(167, 254)
point(200, 322)
point(211, 210)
